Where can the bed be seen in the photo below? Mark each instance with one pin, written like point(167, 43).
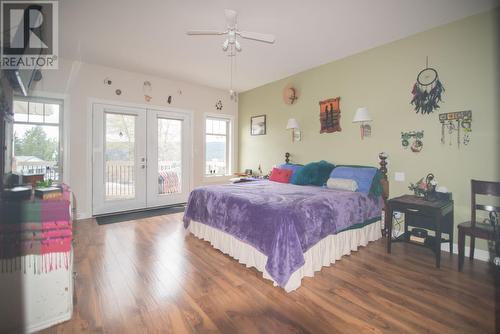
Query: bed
point(285, 231)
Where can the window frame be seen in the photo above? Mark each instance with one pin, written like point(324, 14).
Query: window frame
point(229, 144)
point(60, 124)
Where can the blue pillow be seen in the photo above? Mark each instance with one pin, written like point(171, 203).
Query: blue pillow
point(362, 176)
point(314, 173)
point(293, 167)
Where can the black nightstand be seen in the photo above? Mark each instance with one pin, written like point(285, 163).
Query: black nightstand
point(431, 215)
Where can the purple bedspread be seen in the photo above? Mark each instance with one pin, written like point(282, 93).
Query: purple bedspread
point(281, 220)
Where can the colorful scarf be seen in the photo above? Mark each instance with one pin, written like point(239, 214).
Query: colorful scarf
point(35, 234)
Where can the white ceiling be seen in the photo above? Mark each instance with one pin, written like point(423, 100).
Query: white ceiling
point(149, 36)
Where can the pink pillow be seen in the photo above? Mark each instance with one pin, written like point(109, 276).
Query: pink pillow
point(281, 175)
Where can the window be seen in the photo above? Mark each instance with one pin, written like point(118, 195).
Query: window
point(37, 137)
point(217, 146)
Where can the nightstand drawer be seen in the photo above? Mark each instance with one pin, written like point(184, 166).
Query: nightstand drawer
point(420, 221)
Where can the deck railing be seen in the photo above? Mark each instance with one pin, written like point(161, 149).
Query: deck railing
point(120, 179)
point(48, 168)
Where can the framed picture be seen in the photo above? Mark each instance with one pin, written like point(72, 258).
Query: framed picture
point(258, 125)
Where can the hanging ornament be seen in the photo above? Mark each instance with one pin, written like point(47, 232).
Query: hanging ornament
point(147, 89)
point(427, 91)
point(218, 105)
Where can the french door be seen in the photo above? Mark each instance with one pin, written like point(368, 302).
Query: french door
point(140, 158)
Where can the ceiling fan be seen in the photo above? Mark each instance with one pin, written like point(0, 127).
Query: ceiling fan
point(232, 33)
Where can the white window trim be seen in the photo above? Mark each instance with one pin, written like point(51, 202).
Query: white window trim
point(232, 148)
point(63, 101)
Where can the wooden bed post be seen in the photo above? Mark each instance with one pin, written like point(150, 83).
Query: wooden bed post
point(385, 190)
point(287, 157)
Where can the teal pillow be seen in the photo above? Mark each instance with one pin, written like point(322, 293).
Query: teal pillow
point(314, 173)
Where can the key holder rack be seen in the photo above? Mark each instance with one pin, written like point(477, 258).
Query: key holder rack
point(459, 122)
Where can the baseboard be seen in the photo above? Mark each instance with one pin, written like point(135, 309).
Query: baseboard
point(82, 215)
point(50, 322)
point(479, 254)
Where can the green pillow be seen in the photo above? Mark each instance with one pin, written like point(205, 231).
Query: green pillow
point(314, 173)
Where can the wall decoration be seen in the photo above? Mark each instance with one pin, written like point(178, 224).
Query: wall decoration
point(417, 144)
point(258, 125)
point(290, 95)
point(147, 89)
point(118, 92)
point(427, 91)
point(169, 99)
point(218, 105)
point(329, 115)
point(460, 121)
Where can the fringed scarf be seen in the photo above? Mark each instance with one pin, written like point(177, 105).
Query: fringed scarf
point(35, 235)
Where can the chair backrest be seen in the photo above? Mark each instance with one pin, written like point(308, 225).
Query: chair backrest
point(483, 188)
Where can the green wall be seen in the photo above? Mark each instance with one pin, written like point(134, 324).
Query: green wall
point(465, 53)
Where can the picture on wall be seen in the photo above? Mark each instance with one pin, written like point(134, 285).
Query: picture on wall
point(258, 125)
point(329, 115)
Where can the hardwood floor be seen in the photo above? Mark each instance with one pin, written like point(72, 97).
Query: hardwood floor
point(147, 276)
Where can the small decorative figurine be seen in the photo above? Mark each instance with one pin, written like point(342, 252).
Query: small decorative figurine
point(147, 89)
point(218, 105)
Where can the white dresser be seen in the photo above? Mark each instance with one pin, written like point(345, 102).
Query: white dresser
point(33, 301)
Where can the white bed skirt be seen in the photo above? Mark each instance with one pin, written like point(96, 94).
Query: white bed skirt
point(324, 253)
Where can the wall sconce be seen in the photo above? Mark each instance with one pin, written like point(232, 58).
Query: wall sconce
point(294, 125)
point(362, 116)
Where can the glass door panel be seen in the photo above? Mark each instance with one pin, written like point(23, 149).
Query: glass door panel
point(169, 156)
point(119, 159)
point(119, 156)
point(169, 165)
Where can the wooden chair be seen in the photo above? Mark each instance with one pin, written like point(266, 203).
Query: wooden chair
point(477, 229)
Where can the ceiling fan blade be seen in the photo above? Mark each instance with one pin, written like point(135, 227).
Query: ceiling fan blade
point(257, 36)
point(231, 16)
point(205, 32)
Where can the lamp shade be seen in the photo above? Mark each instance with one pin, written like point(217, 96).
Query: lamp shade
point(362, 115)
point(292, 124)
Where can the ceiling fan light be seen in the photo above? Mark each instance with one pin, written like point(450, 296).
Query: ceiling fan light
point(225, 45)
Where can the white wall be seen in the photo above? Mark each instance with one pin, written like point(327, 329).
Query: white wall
point(79, 82)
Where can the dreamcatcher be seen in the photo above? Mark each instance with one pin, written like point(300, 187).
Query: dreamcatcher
point(427, 91)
